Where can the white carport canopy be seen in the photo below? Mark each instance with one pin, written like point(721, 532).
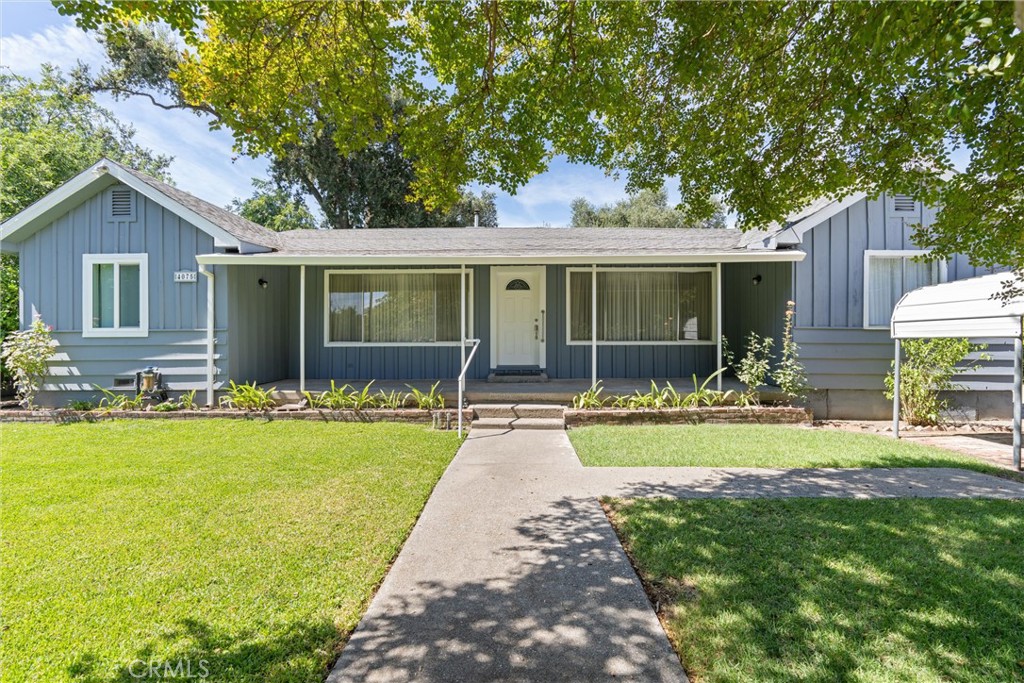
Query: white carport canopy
point(963, 308)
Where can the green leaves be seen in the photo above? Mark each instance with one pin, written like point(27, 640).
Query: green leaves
point(767, 105)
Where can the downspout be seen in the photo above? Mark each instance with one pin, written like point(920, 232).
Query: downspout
point(211, 341)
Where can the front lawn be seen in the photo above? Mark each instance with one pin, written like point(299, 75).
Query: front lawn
point(835, 590)
point(756, 446)
point(245, 550)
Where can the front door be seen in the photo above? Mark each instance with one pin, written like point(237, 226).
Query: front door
point(518, 316)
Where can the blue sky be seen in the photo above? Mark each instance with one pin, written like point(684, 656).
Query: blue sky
point(32, 32)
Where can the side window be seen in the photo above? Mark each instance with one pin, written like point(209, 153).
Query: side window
point(888, 275)
point(115, 295)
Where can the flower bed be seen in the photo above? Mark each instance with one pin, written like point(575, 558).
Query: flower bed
point(445, 418)
point(708, 415)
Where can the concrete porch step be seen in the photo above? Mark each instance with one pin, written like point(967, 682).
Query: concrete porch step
point(513, 410)
point(507, 423)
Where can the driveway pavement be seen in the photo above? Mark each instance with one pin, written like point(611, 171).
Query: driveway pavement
point(513, 572)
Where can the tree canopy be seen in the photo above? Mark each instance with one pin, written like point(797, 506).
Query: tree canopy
point(367, 187)
point(273, 208)
point(49, 132)
point(645, 209)
point(766, 105)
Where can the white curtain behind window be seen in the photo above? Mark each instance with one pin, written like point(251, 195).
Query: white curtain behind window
point(657, 305)
point(616, 306)
point(579, 306)
point(889, 278)
point(695, 304)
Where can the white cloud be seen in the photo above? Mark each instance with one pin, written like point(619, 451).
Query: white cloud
point(63, 46)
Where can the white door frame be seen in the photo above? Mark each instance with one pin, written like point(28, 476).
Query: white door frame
point(499, 274)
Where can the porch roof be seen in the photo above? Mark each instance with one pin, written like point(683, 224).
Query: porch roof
point(508, 245)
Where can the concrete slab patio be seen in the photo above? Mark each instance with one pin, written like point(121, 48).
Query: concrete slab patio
point(513, 572)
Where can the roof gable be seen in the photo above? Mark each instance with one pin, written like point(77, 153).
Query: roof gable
point(226, 228)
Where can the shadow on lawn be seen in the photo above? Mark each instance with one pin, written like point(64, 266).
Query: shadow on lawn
point(830, 590)
point(197, 651)
point(552, 620)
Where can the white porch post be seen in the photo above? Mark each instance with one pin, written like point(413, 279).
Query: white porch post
point(896, 393)
point(1018, 361)
point(593, 325)
point(462, 313)
point(302, 328)
point(718, 323)
point(211, 340)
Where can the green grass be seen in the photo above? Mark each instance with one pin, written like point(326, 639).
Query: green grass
point(835, 590)
point(756, 446)
point(247, 547)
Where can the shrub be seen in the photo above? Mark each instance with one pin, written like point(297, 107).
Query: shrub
point(927, 370)
point(248, 397)
point(112, 401)
point(589, 399)
point(25, 354)
point(82, 405)
point(790, 374)
point(428, 401)
point(752, 369)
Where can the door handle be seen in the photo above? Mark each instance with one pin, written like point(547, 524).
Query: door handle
point(536, 329)
point(543, 324)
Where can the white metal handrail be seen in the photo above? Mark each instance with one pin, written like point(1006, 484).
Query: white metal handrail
point(462, 375)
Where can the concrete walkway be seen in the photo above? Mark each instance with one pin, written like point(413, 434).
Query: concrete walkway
point(513, 572)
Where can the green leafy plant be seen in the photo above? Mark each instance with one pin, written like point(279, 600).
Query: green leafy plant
point(363, 399)
point(248, 397)
point(703, 396)
point(752, 369)
point(392, 400)
point(926, 371)
point(113, 401)
point(790, 374)
point(187, 401)
point(26, 354)
point(167, 407)
point(81, 404)
point(335, 398)
point(590, 399)
point(427, 401)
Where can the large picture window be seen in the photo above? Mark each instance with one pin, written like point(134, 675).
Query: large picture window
point(888, 275)
point(115, 299)
point(393, 307)
point(662, 306)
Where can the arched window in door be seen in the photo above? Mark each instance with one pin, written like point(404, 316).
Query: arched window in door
point(517, 285)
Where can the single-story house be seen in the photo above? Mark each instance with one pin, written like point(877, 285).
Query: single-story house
point(132, 272)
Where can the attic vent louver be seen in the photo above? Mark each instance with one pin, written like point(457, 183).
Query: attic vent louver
point(903, 203)
point(121, 202)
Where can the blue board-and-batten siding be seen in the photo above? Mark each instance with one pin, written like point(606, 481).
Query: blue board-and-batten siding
point(836, 350)
point(50, 277)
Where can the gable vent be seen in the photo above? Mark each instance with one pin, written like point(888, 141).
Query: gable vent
point(903, 203)
point(121, 202)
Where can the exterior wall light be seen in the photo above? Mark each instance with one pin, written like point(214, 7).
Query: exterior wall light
point(756, 279)
point(262, 283)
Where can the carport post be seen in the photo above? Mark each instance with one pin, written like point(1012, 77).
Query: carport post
point(896, 394)
point(1018, 360)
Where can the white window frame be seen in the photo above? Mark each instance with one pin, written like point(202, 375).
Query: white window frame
point(389, 271)
point(674, 269)
point(90, 260)
point(890, 253)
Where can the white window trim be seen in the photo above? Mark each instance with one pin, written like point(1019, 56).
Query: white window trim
point(90, 260)
point(677, 269)
point(889, 253)
point(387, 271)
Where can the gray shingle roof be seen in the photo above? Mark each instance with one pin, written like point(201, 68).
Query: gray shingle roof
point(240, 228)
point(509, 242)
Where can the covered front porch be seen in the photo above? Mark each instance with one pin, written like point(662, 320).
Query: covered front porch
point(556, 391)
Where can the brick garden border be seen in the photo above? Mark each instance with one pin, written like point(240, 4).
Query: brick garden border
point(706, 415)
point(444, 418)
